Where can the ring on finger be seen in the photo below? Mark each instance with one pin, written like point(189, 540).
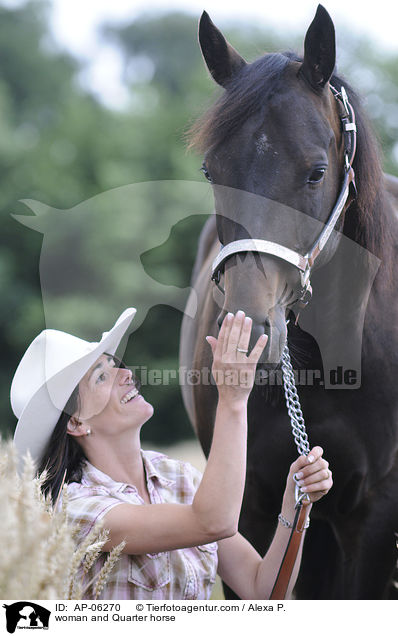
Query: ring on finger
point(242, 350)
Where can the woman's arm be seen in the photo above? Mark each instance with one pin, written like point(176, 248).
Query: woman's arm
point(241, 567)
point(215, 509)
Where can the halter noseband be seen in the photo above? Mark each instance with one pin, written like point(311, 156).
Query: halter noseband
point(305, 263)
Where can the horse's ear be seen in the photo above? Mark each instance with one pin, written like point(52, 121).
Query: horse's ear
point(221, 58)
point(319, 50)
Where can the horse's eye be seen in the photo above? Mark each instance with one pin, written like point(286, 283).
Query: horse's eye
point(206, 172)
point(317, 175)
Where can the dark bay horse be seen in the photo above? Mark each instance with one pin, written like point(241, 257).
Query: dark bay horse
point(276, 153)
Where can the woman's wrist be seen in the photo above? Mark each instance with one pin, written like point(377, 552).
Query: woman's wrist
point(288, 510)
point(232, 414)
point(289, 524)
point(234, 405)
point(289, 500)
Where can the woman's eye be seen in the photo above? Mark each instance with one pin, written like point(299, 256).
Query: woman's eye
point(101, 378)
point(317, 175)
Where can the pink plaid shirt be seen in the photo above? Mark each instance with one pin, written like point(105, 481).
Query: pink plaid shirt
point(188, 573)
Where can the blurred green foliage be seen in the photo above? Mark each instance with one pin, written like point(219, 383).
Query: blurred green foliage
point(61, 146)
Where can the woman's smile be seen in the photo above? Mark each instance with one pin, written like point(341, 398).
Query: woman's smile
point(130, 395)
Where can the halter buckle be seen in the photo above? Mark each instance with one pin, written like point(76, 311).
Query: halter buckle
point(344, 99)
point(216, 276)
point(306, 295)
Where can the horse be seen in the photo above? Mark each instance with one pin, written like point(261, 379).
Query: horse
point(291, 157)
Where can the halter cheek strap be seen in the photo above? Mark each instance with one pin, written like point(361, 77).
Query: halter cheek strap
point(304, 263)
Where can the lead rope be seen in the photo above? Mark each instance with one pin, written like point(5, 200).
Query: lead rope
point(301, 439)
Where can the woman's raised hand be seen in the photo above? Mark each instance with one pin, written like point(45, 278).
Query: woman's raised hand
point(233, 370)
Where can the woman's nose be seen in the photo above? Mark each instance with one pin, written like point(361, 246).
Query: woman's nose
point(124, 375)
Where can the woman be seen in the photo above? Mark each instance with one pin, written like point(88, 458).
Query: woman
point(80, 415)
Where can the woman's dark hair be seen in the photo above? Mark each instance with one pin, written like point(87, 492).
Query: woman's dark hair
point(63, 458)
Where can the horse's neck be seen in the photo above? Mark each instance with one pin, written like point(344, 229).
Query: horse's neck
point(336, 313)
point(352, 308)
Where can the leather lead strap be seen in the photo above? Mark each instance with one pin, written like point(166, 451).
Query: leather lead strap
point(285, 571)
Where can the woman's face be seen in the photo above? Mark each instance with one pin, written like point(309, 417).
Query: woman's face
point(109, 398)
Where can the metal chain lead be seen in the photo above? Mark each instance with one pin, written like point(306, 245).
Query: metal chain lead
point(293, 404)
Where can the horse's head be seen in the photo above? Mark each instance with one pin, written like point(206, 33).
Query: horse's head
point(274, 151)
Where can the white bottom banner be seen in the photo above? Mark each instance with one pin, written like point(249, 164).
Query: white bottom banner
point(176, 617)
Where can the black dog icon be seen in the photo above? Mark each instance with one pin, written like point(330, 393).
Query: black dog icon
point(28, 614)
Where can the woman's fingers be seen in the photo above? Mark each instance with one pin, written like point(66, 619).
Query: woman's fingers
point(217, 344)
point(230, 348)
point(258, 349)
point(306, 471)
point(235, 333)
point(307, 464)
point(312, 473)
point(228, 320)
point(320, 486)
point(244, 339)
point(213, 343)
point(237, 339)
point(320, 475)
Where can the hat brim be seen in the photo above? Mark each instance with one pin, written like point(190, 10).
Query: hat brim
point(41, 414)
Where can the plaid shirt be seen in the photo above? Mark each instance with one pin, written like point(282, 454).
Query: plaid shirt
point(188, 573)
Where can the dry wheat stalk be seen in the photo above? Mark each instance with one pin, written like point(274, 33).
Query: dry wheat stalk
point(107, 568)
point(39, 557)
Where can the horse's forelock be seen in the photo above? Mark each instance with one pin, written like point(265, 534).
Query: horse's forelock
point(243, 96)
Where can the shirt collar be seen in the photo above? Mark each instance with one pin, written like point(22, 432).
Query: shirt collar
point(96, 477)
point(152, 472)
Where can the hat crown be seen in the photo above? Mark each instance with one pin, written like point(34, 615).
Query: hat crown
point(49, 353)
point(49, 371)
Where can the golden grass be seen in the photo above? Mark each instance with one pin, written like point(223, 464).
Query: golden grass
point(39, 556)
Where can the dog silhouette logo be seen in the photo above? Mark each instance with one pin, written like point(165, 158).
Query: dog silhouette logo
point(26, 615)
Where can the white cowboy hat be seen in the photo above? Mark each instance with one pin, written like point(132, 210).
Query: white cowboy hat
point(49, 371)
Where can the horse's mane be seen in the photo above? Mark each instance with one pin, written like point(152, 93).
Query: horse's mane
point(367, 221)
